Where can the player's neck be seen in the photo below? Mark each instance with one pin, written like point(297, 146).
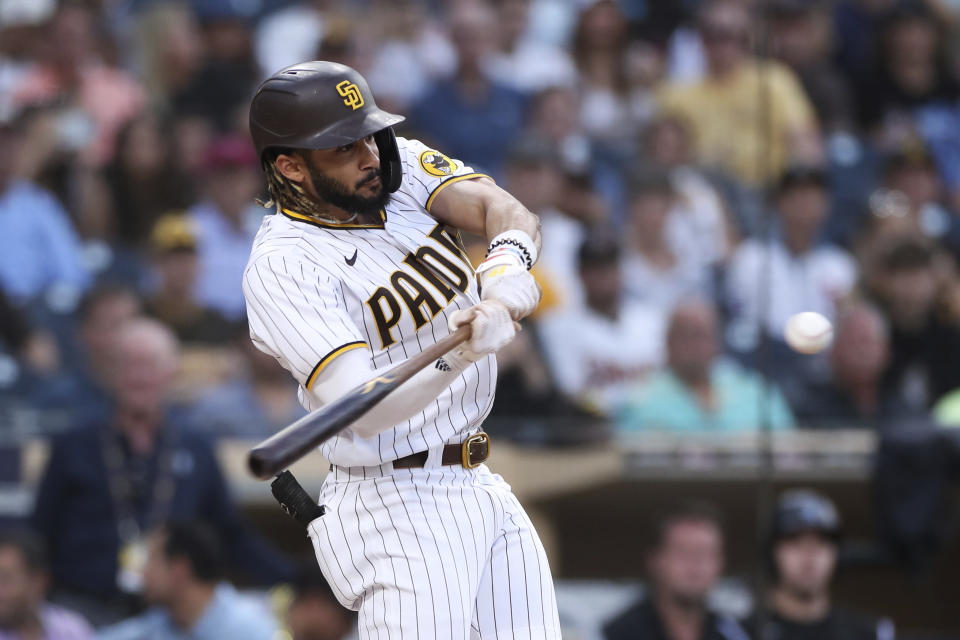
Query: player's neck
point(800, 609)
point(329, 214)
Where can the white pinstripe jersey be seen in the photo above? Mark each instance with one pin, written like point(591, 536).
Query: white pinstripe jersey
point(314, 291)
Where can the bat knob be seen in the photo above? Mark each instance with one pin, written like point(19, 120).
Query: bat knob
point(294, 500)
point(259, 465)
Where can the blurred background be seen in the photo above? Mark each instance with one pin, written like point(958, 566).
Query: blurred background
point(703, 169)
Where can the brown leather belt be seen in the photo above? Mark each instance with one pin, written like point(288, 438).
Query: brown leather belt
point(470, 453)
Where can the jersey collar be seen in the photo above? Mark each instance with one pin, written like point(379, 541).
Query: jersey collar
point(302, 217)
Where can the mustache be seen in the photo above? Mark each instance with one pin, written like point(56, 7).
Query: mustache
point(370, 176)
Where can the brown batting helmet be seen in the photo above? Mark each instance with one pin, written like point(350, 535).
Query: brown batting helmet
point(322, 105)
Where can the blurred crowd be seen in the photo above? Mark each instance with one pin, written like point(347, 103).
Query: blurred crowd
point(185, 592)
point(703, 170)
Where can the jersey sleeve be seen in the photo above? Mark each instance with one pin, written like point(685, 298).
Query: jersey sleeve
point(297, 314)
point(426, 171)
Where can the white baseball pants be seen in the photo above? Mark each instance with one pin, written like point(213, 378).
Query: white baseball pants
point(434, 553)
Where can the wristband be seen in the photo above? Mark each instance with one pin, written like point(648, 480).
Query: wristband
point(514, 243)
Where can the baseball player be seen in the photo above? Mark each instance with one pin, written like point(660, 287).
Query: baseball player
point(361, 268)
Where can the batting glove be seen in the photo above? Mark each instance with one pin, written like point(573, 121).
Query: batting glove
point(492, 329)
point(504, 276)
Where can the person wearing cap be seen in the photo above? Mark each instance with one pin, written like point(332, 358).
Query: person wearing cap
point(174, 250)
point(804, 538)
point(909, 283)
point(801, 273)
point(601, 350)
point(912, 171)
point(226, 221)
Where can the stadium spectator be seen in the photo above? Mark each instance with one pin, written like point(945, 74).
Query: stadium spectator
point(731, 88)
point(661, 267)
point(84, 387)
point(699, 217)
point(21, 40)
point(684, 562)
point(858, 24)
point(314, 613)
point(599, 50)
point(522, 62)
point(300, 26)
point(804, 538)
point(28, 354)
point(413, 55)
point(769, 280)
point(469, 115)
point(219, 91)
point(554, 115)
point(801, 36)
point(698, 391)
point(910, 71)
point(256, 402)
point(142, 181)
point(909, 283)
point(109, 481)
point(173, 243)
point(226, 221)
point(182, 580)
point(73, 72)
point(39, 249)
point(600, 351)
point(851, 396)
point(534, 177)
point(911, 170)
point(24, 613)
point(167, 51)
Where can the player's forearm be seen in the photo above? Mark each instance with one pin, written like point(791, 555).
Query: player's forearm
point(348, 371)
point(505, 213)
point(481, 207)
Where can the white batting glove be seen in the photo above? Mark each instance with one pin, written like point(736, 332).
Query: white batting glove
point(504, 275)
point(492, 329)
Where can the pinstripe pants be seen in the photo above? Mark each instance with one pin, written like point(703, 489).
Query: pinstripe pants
point(434, 553)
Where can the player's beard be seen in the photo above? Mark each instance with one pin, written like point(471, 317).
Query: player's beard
point(333, 192)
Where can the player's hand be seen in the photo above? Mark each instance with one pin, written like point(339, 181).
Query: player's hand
point(492, 328)
point(512, 285)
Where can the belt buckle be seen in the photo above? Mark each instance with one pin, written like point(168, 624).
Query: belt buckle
point(476, 438)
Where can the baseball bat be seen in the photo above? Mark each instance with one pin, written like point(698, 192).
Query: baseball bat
point(285, 447)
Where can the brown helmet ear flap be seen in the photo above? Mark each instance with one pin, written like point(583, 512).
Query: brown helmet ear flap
point(390, 165)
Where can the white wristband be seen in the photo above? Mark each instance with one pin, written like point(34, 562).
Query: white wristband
point(516, 243)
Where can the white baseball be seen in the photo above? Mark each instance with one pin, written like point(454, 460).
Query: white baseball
point(808, 332)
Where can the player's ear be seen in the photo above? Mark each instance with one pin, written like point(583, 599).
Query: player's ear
point(292, 167)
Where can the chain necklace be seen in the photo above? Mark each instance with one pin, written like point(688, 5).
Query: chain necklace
point(334, 220)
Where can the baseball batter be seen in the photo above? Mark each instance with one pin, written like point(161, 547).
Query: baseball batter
point(361, 268)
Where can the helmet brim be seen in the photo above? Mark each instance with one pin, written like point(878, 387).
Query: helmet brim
point(350, 129)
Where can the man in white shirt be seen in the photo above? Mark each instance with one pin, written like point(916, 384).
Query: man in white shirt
point(602, 349)
point(769, 281)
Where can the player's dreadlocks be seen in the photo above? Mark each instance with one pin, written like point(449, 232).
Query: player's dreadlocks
point(283, 191)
